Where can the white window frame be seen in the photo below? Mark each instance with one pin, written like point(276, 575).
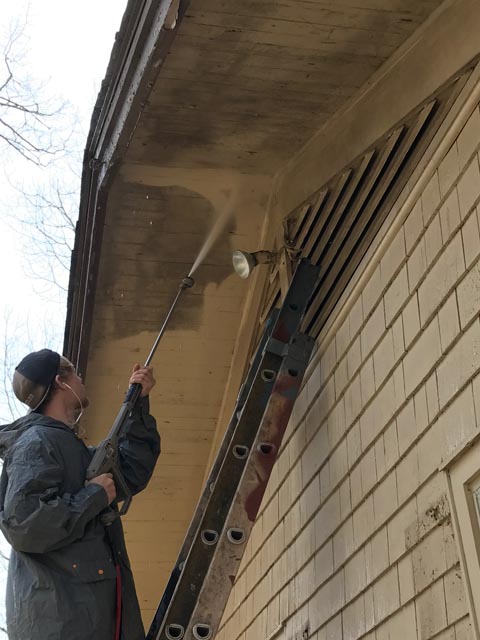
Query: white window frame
point(463, 474)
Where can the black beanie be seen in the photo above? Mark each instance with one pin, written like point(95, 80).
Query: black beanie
point(34, 376)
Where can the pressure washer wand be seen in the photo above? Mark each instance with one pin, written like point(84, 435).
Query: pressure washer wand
point(187, 283)
point(105, 458)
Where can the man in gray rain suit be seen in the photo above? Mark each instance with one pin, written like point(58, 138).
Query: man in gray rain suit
point(69, 576)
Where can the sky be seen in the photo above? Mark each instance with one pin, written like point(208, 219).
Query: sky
point(69, 45)
point(66, 47)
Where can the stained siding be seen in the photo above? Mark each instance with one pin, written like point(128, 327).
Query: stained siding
point(355, 538)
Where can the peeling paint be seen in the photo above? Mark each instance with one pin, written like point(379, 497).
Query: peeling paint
point(434, 516)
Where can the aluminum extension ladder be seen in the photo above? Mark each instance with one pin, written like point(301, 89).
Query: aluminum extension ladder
point(198, 589)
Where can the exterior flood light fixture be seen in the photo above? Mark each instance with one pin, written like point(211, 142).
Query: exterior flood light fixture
point(244, 263)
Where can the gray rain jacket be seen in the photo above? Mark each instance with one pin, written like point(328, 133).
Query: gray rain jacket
point(62, 575)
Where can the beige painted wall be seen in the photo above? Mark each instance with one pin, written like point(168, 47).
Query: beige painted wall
point(355, 538)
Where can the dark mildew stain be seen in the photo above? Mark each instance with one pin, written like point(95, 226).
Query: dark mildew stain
point(148, 248)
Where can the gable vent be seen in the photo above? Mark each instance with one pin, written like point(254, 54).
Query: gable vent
point(337, 224)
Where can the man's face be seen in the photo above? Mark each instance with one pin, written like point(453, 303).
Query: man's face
point(76, 383)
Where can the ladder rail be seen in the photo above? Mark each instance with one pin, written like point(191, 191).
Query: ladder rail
point(209, 484)
point(215, 590)
point(191, 606)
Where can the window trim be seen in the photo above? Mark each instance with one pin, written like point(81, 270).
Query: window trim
point(462, 470)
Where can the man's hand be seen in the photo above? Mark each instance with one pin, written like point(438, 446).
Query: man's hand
point(105, 480)
point(143, 376)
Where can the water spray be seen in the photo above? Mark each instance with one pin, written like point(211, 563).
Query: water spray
point(188, 282)
point(219, 226)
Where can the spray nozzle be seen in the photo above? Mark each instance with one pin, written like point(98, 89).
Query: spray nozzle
point(187, 283)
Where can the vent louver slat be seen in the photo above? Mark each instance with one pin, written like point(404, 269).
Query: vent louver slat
point(308, 220)
point(403, 146)
point(331, 231)
point(324, 212)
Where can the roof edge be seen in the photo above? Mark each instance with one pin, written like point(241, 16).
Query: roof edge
point(146, 34)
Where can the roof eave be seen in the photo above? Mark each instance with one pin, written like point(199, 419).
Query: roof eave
point(146, 34)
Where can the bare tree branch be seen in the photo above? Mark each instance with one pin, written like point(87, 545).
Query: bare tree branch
point(44, 219)
point(8, 361)
point(26, 115)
